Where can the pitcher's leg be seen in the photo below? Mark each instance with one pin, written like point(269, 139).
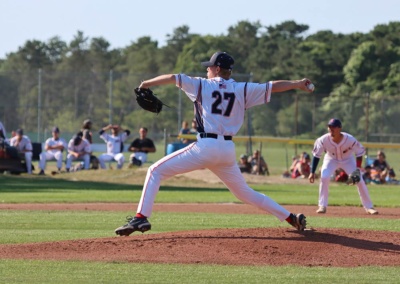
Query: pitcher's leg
point(236, 183)
point(181, 161)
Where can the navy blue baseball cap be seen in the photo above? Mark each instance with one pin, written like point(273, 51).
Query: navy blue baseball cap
point(335, 122)
point(55, 129)
point(221, 59)
point(20, 131)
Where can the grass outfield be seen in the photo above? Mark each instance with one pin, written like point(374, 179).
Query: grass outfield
point(38, 226)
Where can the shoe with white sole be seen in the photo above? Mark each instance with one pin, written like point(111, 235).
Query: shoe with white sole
point(321, 210)
point(372, 211)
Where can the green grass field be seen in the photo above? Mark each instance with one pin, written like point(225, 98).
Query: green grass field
point(23, 226)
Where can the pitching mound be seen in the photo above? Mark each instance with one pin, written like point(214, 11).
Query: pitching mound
point(259, 246)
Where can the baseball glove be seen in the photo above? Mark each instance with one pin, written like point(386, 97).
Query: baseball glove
point(148, 101)
point(354, 177)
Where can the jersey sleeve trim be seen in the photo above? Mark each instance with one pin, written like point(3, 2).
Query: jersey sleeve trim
point(268, 92)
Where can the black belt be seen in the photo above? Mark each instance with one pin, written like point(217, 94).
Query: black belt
point(213, 135)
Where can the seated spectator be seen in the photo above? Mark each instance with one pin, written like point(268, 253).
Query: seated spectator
point(3, 133)
point(367, 174)
point(87, 134)
point(258, 164)
point(244, 165)
point(302, 167)
point(141, 147)
point(54, 148)
point(115, 145)
point(380, 168)
point(78, 149)
point(184, 130)
point(193, 129)
point(391, 177)
point(24, 147)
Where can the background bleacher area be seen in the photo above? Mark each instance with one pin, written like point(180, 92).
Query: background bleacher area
point(277, 152)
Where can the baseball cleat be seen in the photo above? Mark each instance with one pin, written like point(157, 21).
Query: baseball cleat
point(134, 224)
point(298, 221)
point(321, 209)
point(372, 211)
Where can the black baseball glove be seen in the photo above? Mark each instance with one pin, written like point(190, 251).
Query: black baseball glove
point(354, 177)
point(148, 101)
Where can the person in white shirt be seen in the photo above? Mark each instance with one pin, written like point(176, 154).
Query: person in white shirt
point(78, 149)
point(24, 147)
point(114, 145)
point(219, 105)
point(341, 150)
point(3, 132)
point(54, 147)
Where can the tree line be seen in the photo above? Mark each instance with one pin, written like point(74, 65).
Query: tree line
point(357, 78)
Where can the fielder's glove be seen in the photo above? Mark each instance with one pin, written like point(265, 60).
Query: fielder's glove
point(354, 177)
point(148, 101)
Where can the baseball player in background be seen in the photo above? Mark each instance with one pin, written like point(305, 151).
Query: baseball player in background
point(78, 149)
point(24, 147)
point(3, 132)
point(219, 103)
point(54, 147)
point(340, 150)
point(114, 145)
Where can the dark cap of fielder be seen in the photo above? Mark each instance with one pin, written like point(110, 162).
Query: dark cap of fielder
point(335, 122)
point(221, 59)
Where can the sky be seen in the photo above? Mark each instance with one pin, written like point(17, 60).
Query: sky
point(122, 22)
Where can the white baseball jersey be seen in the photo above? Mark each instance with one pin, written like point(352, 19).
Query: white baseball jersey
point(24, 145)
point(84, 146)
point(220, 107)
point(348, 147)
point(53, 142)
point(221, 110)
point(113, 142)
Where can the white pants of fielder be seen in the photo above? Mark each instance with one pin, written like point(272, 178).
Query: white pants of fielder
point(47, 156)
point(349, 165)
point(218, 155)
point(119, 158)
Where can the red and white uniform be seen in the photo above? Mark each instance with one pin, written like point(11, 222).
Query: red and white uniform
point(219, 108)
point(113, 149)
point(24, 147)
point(52, 154)
point(339, 155)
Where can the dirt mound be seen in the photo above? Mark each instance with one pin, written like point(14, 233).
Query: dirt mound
point(258, 246)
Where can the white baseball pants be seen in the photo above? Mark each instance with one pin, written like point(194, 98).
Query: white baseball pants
point(85, 158)
point(119, 158)
point(349, 165)
point(47, 156)
point(28, 161)
point(218, 155)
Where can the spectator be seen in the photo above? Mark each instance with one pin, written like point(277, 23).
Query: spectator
point(367, 174)
point(184, 130)
point(391, 177)
point(258, 164)
point(3, 132)
point(380, 168)
point(24, 148)
point(115, 145)
point(244, 165)
point(141, 147)
point(87, 134)
point(302, 167)
point(78, 149)
point(54, 148)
